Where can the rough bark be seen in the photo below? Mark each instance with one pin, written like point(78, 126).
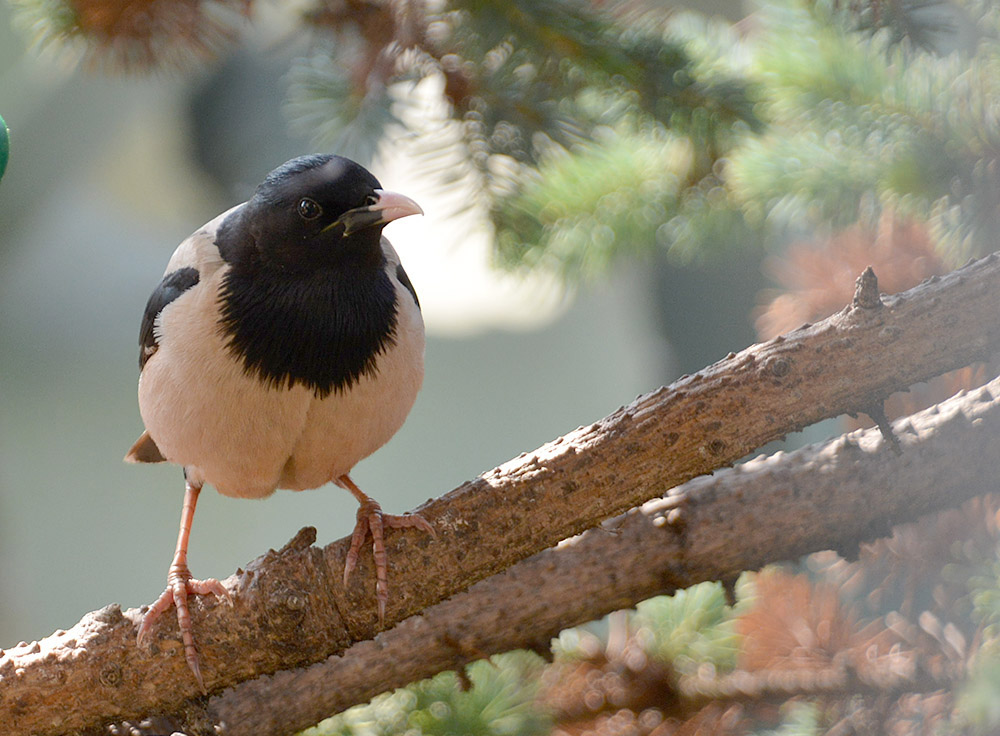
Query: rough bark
point(836, 494)
point(291, 610)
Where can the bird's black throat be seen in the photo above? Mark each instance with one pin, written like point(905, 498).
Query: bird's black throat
point(324, 329)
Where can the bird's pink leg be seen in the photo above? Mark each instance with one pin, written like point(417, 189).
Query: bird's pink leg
point(371, 520)
point(180, 585)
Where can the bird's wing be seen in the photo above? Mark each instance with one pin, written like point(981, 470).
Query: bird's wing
point(195, 259)
point(395, 267)
point(172, 286)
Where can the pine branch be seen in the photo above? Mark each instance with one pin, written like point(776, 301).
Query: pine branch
point(133, 36)
point(880, 125)
point(291, 611)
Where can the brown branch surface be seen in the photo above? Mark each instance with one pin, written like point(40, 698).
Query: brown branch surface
point(290, 609)
point(836, 494)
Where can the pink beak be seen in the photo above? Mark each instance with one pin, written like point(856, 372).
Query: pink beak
point(394, 205)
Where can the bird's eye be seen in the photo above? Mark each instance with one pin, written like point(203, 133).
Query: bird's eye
point(309, 209)
point(370, 200)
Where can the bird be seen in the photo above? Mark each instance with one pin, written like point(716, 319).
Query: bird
point(283, 345)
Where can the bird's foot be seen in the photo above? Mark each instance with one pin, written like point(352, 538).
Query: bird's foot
point(180, 585)
point(372, 520)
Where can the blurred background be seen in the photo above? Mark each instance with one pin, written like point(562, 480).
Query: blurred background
point(617, 193)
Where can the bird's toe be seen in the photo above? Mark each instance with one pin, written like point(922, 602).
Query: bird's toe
point(179, 587)
point(408, 521)
point(373, 521)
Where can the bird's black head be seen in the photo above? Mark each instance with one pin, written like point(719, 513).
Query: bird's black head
point(315, 211)
point(308, 298)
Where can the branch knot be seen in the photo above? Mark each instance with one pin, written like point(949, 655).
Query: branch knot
point(866, 293)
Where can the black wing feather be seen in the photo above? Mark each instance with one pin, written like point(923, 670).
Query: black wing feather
point(405, 281)
point(172, 286)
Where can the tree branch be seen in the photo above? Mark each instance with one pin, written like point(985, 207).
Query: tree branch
point(291, 611)
point(832, 495)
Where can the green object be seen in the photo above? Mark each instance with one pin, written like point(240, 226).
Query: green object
point(4, 146)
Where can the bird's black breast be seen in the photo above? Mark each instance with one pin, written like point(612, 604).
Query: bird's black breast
point(172, 286)
point(324, 330)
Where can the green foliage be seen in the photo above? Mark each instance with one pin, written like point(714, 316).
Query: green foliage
point(130, 36)
point(536, 57)
point(325, 104)
point(693, 627)
point(47, 22)
point(551, 96)
point(928, 25)
point(801, 719)
point(690, 628)
point(826, 116)
point(500, 702)
point(984, 595)
point(801, 179)
point(583, 207)
point(862, 121)
point(624, 169)
point(978, 702)
point(818, 114)
point(804, 58)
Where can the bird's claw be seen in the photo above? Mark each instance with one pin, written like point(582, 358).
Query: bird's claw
point(372, 520)
point(180, 585)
